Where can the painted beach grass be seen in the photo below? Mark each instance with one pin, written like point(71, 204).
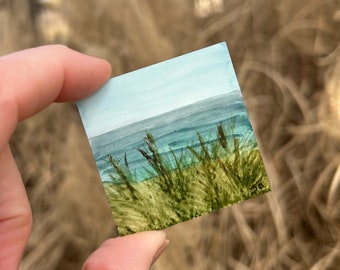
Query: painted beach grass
point(198, 181)
point(173, 141)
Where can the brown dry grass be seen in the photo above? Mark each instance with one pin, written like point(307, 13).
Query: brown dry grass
point(287, 57)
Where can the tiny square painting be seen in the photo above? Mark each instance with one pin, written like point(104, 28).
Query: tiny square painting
point(173, 141)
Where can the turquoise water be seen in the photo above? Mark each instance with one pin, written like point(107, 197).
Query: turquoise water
point(173, 130)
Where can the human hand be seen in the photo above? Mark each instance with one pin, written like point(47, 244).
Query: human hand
point(30, 80)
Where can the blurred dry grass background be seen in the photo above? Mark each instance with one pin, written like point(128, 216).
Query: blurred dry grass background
point(287, 57)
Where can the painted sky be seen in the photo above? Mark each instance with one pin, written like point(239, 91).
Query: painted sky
point(159, 88)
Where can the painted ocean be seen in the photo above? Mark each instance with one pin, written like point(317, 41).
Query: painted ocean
point(172, 130)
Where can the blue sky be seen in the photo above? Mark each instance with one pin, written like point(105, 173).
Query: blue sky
point(159, 88)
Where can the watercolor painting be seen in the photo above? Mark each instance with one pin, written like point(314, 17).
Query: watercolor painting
point(173, 141)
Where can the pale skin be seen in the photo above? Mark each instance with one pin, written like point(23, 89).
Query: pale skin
point(31, 80)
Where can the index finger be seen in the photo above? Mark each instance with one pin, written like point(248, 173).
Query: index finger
point(32, 79)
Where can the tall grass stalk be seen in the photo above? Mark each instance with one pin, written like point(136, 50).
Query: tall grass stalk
point(186, 185)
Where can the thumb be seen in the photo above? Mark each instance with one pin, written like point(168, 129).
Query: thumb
point(133, 252)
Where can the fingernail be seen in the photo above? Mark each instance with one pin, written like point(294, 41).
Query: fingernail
point(62, 45)
point(160, 251)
